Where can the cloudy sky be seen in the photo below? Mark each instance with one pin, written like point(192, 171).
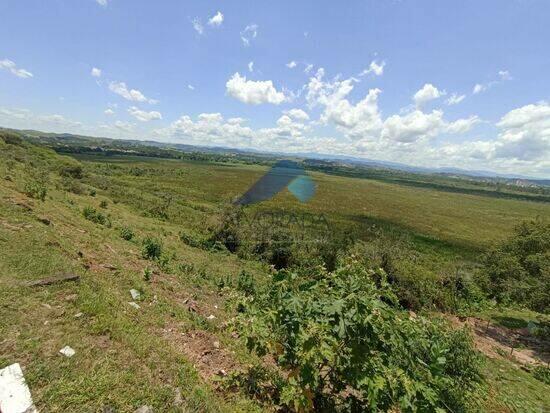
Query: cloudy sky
point(428, 83)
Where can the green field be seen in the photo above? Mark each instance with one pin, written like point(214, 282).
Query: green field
point(127, 357)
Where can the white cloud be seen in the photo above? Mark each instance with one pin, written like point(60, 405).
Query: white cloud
point(455, 99)
point(291, 65)
point(250, 32)
point(190, 87)
point(297, 114)
point(505, 75)
point(376, 68)
point(197, 25)
point(216, 20)
point(95, 72)
point(478, 88)
point(253, 92)
point(124, 126)
point(427, 93)
point(102, 2)
point(462, 125)
point(250, 66)
point(308, 68)
point(109, 112)
point(10, 66)
point(413, 126)
point(133, 95)
point(144, 116)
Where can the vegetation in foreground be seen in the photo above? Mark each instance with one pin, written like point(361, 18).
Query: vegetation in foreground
point(208, 293)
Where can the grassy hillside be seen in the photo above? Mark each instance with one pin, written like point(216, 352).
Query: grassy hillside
point(182, 340)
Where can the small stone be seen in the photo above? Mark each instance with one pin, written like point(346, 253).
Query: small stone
point(135, 305)
point(216, 344)
point(71, 297)
point(78, 315)
point(222, 372)
point(234, 334)
point(144, 409)
point(211, 317)
point(108, 409)
point(67, 351)
point(178, 398)
point(135, 294)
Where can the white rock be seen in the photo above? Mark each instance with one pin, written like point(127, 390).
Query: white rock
point(15, 396)
point(67, 351)
point(78, 315)
point(144, 409)
point(135, 294)
point(211, 317)
point(135, 305)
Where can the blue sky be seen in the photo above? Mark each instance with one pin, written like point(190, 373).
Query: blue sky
point(429, 83)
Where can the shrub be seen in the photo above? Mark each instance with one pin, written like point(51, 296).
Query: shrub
point(152, 248)
point(126, 233)
point(103, 204)
point(72, 171)
point(91, 214)
point(348, 346)
point(245, 283)
point(542, 373)
point(518, 269)
point(36, 189)
point(11, 138)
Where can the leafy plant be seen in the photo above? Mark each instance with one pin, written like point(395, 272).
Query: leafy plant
point(245, 283)
point(126, 233)
point(542, 373)
point(103, 204)
point(36, 189)
point(91, 214)
point(152, 248)
point(347, 345)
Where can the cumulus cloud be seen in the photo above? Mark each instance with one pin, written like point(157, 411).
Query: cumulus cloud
point(216, 20)
point(462, 125)
point(109, 112)
point(102, 2)
point(427, 93)
point(133, 95)
point(144, 116)
point(251, 66)
point(253, 92)
point(297, 114)
point(376, 68)
point(95, 72)
point(291, 65)
point(249, 33)
point(190, 87)
point(11, 67)
point(455, 99)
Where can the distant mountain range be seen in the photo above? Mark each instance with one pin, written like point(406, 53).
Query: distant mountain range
point(341, 159)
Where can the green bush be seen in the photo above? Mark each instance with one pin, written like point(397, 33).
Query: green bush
point(36, 189)
point(542, 373)
point(152, 248)
point(518, 269)
point(72, 171)
point(126, 233)
point(348, 346)
point(245, 283)
point(103, 204)
point(91, 214)
point(11, 138)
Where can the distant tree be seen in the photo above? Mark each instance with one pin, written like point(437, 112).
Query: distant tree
point(518, 269)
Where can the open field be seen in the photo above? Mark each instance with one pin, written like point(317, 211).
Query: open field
point(128, 357)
